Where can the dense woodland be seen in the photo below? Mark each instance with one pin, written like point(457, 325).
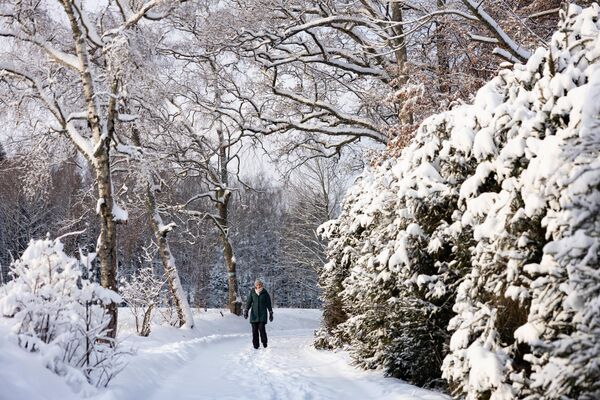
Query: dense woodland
point(272, 242)
point(426, 171)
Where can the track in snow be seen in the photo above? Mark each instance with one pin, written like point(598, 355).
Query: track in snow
point(290, 368)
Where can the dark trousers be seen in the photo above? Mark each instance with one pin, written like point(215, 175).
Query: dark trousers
point(259, 327)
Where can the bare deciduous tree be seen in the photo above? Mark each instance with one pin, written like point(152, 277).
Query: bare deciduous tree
point(72, 71)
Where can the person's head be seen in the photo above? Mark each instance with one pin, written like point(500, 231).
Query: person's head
point(258, 284)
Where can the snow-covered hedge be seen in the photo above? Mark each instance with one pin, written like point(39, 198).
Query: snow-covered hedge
point(487, 225)
point(60, 315)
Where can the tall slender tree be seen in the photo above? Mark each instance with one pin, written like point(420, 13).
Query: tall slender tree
point(74, 73)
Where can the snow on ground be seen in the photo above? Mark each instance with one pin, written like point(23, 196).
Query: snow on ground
point(215, 361)
point(22, 376)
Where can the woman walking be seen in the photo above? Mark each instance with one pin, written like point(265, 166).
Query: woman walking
point(259, 302)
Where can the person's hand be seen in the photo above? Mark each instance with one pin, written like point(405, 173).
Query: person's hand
point(245, 314)
point(271, 316)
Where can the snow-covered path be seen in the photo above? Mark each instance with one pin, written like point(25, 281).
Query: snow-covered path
point(289, 369)
point(224, 366)
point(215, 360)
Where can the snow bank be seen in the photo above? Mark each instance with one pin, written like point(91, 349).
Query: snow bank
point(213, 360)
point(23, 375)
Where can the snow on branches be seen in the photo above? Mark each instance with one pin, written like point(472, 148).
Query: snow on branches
point(142, 294)
point(486, 225)
point(61, 315)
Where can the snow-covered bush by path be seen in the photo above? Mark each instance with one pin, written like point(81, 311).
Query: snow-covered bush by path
point(61, 315)
point(488, 224)
point(530, 304)
point(142, 293)
point(400, 259)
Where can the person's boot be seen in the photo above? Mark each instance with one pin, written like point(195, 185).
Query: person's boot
point(265, 344)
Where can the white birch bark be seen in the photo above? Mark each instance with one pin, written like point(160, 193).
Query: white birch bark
point(101, 138)
point(184, 312)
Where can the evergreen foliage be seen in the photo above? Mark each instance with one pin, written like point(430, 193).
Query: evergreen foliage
point(486, 225)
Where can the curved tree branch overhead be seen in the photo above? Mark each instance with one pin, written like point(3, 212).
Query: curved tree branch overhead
point(310, 69)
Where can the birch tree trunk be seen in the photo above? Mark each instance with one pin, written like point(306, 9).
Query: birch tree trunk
point(145, 331)
point(101, 137)
point(184, 312)
point(107, 241)
point(223, 197)
point(235, 303)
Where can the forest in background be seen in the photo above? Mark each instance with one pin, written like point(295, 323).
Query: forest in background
point(274, 232)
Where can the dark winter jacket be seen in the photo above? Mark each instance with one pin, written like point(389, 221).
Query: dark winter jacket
point(258, 304)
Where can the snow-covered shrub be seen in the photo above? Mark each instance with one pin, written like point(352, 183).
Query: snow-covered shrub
point(492, 213)
point(142, 293)
point(525, 324)
point(341, 253)
point(403, 258)
point(61, 315)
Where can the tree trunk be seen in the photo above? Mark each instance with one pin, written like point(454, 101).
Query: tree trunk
point(107, 241)
point(223, 197)
point(235, 303)
point(145, 331)
point(399, 43)
point(441, 44)
point(184, 312)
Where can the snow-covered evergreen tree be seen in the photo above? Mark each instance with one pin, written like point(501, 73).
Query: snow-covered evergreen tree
point(399, 258)
point(523, 326)
point(491, 213)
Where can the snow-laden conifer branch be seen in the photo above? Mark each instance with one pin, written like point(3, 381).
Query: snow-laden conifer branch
point(486, 224)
